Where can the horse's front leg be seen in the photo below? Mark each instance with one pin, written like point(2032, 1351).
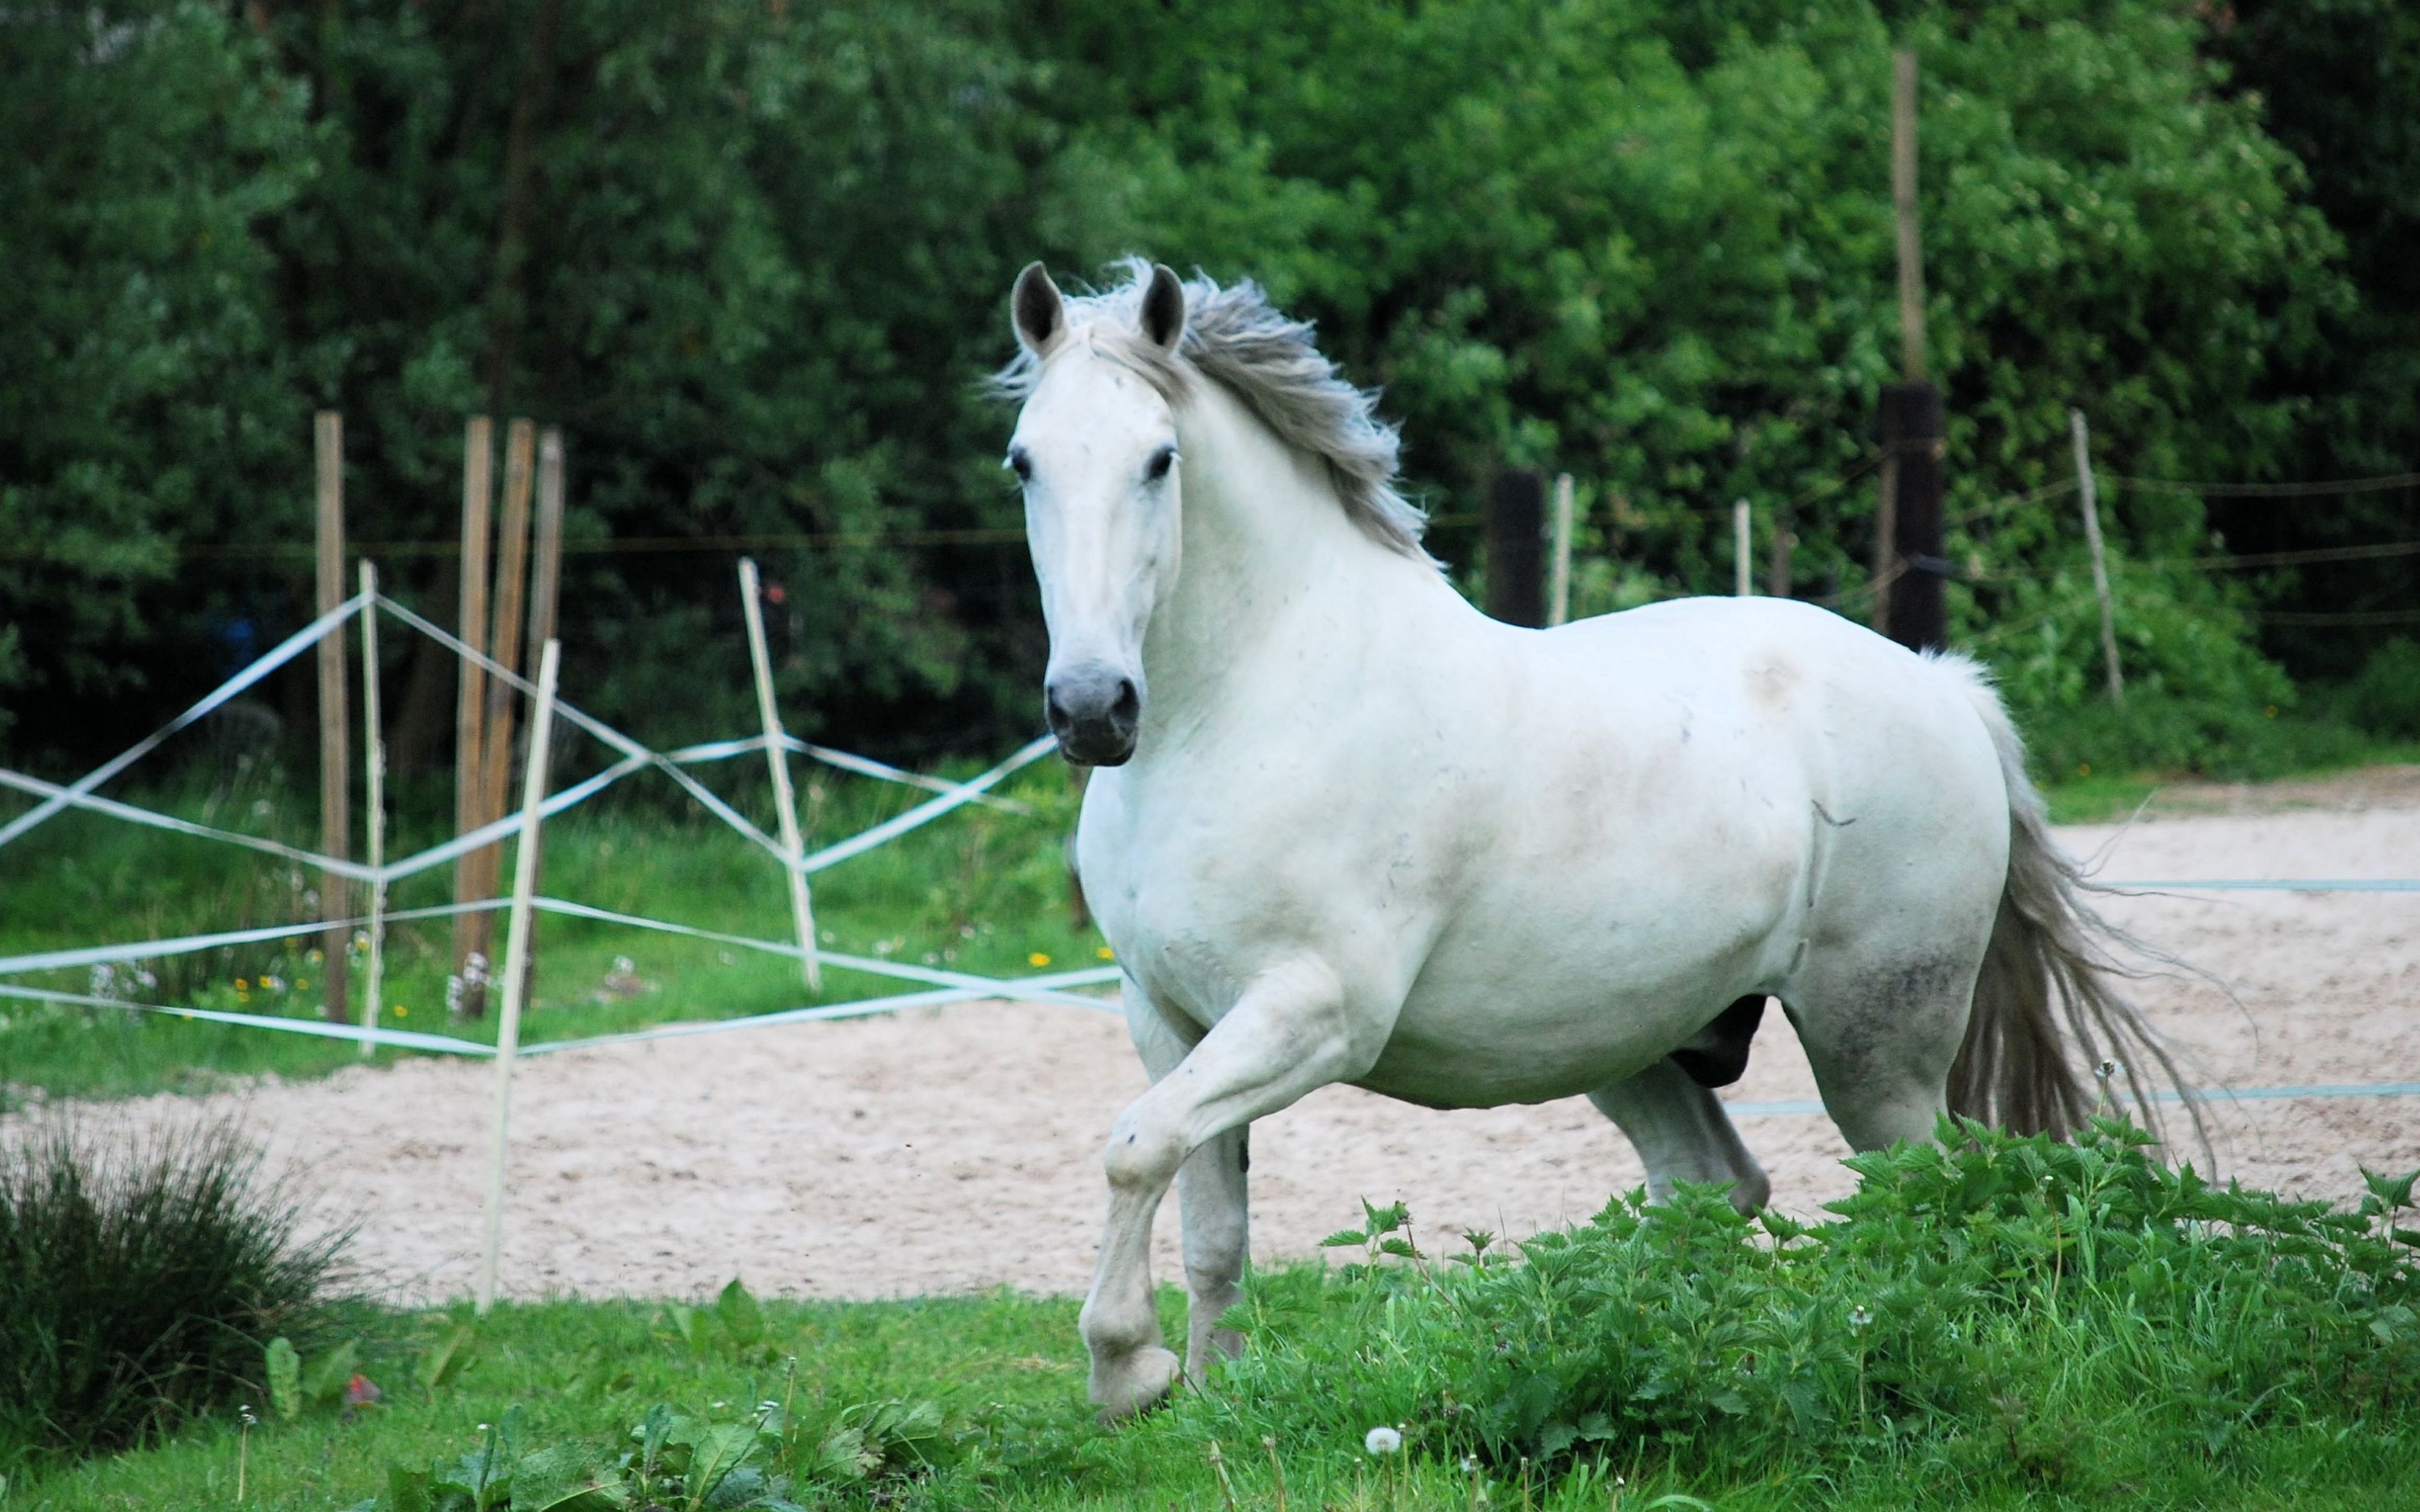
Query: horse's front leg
point(1210, 1192)
point(1290, 1032)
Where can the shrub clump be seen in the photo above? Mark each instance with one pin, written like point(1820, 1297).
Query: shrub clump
point(138, 1285)
point(1989, 1307)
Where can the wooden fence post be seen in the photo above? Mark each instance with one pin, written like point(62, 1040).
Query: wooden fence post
point(546, 564)
point(785, 803)
point(1912, 430)
point(2083, 438)
point(1515, 543)
point(504, 649)
point(515, 972)
point(1559, 600)
point(471, 705)
point(336, 734)
point(1909, 567)
point(1777, 566)
point(1743, 551)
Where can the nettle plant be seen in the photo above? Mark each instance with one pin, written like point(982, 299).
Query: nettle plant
point(1995, 1304)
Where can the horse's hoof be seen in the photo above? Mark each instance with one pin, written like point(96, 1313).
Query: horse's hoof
point(1133, 1384)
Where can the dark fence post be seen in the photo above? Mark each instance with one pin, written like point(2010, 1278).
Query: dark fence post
point(1911, 436)
point(1516, 553)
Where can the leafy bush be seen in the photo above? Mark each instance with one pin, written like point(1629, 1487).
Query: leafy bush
point(1993, 1307)
point(137, 1286)
point(2385, 699)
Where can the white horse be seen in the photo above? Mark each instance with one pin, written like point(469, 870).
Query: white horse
point(1349, 829)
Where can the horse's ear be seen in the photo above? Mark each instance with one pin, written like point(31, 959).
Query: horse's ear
point(1041, 317)
point(1163, 308)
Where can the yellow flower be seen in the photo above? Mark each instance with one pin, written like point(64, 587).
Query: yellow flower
point(2084, 768)
point(242, 985)
point(301, 983)
point(401, 1011)
point(1037, 959)
point(1106, 953)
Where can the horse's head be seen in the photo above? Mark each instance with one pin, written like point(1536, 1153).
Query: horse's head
point(1096, 450)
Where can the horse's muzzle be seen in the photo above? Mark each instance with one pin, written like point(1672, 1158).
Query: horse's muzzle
point(1094, 710)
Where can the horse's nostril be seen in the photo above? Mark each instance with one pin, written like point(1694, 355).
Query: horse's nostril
point(1055, 709)
point(1128, 705)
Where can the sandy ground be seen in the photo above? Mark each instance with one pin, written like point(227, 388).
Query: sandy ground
point(956, 1150)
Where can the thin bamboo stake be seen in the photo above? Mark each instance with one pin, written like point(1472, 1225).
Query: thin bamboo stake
point(374, 775)
point(504, 647)
point(1743, 541)
point(2083, 438)
point(1559, 598)
point(802, 908)
point(471, 703)
point(335, 739)
point(517, 950)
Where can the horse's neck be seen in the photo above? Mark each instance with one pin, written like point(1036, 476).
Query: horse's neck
point(1271, 561)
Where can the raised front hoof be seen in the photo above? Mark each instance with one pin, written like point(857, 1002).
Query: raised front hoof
point(1127, 1385)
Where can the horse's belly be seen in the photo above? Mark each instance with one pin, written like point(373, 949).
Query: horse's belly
point(1536, 1029)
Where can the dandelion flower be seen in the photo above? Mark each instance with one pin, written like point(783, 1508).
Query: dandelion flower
point(1859, 1318)
point(1037, 959)
point(1106, 953)
point(2107, 1069)
point(1382, 1441)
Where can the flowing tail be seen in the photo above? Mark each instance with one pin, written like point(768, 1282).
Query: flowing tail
point(2048, 993)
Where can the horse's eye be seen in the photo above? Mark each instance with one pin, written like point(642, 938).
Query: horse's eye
point(1021, 464)
point(1160, 462)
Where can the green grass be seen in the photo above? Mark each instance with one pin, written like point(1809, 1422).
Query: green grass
point(982, 890)
point(2044, 1328)
point(2095, 765)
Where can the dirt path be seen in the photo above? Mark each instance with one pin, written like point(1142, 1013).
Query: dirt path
point(956, 1150)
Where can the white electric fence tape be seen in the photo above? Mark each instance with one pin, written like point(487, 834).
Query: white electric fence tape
point(286, 651)
point(949, 986)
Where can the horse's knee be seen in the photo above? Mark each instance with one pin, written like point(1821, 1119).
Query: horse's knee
point(1140, 1158)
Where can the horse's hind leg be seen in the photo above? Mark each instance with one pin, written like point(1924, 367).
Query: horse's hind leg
point(1682, 1132)
point(1881, 1031)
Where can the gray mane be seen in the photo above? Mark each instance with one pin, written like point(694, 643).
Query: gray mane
point(1236, 337)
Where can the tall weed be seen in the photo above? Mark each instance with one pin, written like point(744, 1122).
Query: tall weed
point(139, 1283)
point(1993, 1308)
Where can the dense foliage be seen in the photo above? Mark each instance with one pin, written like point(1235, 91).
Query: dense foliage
point(1991, 1310)
point(139, 1285)
point(751, 255)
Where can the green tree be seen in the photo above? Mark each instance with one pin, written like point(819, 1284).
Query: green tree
point(2337, 84)
point(1655, 249)
point(146, 394)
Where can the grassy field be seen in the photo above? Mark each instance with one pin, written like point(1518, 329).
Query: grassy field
point(983, 891)
point(2010, 1327)
point(2065, 1398)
